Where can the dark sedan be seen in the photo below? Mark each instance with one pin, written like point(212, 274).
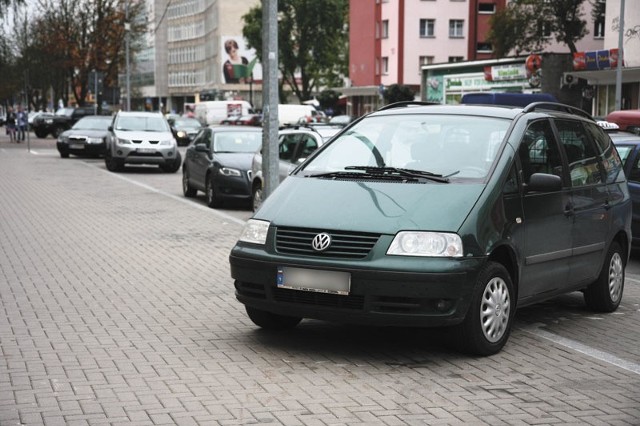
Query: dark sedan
point(218, 163)
point(628, 146)
point(86, 138)
point(185, 129)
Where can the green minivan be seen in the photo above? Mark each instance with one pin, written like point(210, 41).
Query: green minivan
point(441, 215)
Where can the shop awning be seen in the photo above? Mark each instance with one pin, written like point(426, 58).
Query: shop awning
point(602, 77)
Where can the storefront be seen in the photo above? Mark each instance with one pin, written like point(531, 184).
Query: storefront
point(446, 83)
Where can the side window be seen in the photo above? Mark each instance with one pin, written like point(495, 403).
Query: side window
point(288, 147)
point(538, 151)
point(582, 156)
point(611, 161)
point(307, 146)
point(634, 173)
point(511, 184)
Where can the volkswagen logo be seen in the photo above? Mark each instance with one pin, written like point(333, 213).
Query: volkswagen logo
point(321, 242)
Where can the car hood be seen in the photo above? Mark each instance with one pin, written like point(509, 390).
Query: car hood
point(90, 133)
point(380, 207)
point(235, 160)
point(144, 136)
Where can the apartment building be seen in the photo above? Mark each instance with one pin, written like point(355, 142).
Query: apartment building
point(397, 39)
point(185, 58)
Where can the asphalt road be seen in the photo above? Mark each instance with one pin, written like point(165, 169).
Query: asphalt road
point(117, 307)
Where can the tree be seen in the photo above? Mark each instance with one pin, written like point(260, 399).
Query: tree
point(398, 93)
point(312, 42)
point(523, 26)
point(6, 4)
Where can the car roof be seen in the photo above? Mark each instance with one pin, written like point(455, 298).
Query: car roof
point(140, 114)
point(624, 137)
point(223, 128)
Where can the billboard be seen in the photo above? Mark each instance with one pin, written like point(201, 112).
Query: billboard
point(239, 64)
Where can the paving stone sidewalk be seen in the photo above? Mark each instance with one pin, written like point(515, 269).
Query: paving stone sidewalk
point(116, 307)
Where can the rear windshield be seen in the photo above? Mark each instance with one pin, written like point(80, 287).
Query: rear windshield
point(448, 145)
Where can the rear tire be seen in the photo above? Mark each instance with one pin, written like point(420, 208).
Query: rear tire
point(173, 166)
point(188, 190)
point(487, 326)
point(256, 197)
point(271, 321)
point(605, 294)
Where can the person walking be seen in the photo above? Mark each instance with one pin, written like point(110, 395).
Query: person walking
point(11, 124)
point(22, 122)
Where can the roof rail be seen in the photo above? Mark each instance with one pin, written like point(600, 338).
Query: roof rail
point(406, 104)
point(557, 107)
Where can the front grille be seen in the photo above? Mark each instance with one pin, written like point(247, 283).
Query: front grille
point(140, 141)
point(77, 139)
point(318, 299)
point(344, 244)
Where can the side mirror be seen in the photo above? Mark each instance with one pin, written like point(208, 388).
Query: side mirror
point(201, 148)
point(543, 182)
point(110, 128)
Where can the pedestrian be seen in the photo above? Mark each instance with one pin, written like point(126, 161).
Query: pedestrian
point(11, 124)
point(22, 122)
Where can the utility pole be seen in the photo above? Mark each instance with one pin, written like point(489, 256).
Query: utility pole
point(127, 29)
point(620, 59)
point(270, 96)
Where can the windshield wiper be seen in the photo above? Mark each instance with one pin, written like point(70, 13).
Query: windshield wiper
point(386, 173)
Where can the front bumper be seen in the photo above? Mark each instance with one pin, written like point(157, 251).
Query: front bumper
point(388, 291)
point(233, 187)
point(132, 154)
point(78, 148)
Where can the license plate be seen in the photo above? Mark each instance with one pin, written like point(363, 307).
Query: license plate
point(331, 282)
point(146, 150)
point(76, 146)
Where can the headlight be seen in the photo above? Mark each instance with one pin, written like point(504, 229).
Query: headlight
point(226, 171)
point(432, 244)
point(121, 141)
point(62, 139)
point(48, 120)
point(168, 142)
point(94, 140)
point(255, 231)
point(182, 134)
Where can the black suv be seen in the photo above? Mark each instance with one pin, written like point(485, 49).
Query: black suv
point(54, 124)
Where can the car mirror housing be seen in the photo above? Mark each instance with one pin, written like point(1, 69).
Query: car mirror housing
point(202, 148)
point(543, 182)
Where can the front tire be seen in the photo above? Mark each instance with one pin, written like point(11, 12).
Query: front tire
point(188, 190)
point(173, 166)
point(213, 200)
point(487, 326)
point(605, 294)
point(271, 321)
point(113, 164)
point(63, 153)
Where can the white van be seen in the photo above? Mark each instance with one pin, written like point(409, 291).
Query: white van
point(213, 112)
point(291, 114)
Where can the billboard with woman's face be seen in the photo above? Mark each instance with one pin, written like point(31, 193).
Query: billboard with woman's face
point(240, 65)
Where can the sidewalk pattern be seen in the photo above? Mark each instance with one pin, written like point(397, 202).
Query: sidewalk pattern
point(117, 307)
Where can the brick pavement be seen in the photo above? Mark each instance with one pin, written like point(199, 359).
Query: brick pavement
point(117, 308)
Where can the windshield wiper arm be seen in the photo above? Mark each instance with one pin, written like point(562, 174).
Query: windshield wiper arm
point(395, 171)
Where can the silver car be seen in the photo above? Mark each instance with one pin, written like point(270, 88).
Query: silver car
point(142, 138)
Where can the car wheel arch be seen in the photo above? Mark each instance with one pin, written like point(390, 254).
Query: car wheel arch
point(506, 256)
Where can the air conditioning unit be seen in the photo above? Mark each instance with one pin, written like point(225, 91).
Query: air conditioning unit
point(568, 80)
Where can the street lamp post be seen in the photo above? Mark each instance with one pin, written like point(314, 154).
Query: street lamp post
point(127, 28)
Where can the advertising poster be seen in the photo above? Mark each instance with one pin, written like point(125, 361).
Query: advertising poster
point(239, 64)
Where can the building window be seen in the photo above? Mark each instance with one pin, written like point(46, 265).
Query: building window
point(484, 47)
point(385, 28)
point(385, 65)
point(456, 58)
point(455, 28)
point(598, 28)
point(427, 27)
point(425, 60)
point(487, 8)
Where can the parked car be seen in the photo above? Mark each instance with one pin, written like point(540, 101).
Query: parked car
point(185, 129)
point(441, 215)
point(54, 124)
point(87, 137)
point(294, 146)
point(218, 162)
point(141, 138)
point(341, 120)
point(628, 146)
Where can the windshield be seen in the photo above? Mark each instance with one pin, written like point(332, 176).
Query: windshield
point(93, 123)
point(446, 145)
point(237, 141)
point(65, 111)
point(191, 123)
point(142, 124)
